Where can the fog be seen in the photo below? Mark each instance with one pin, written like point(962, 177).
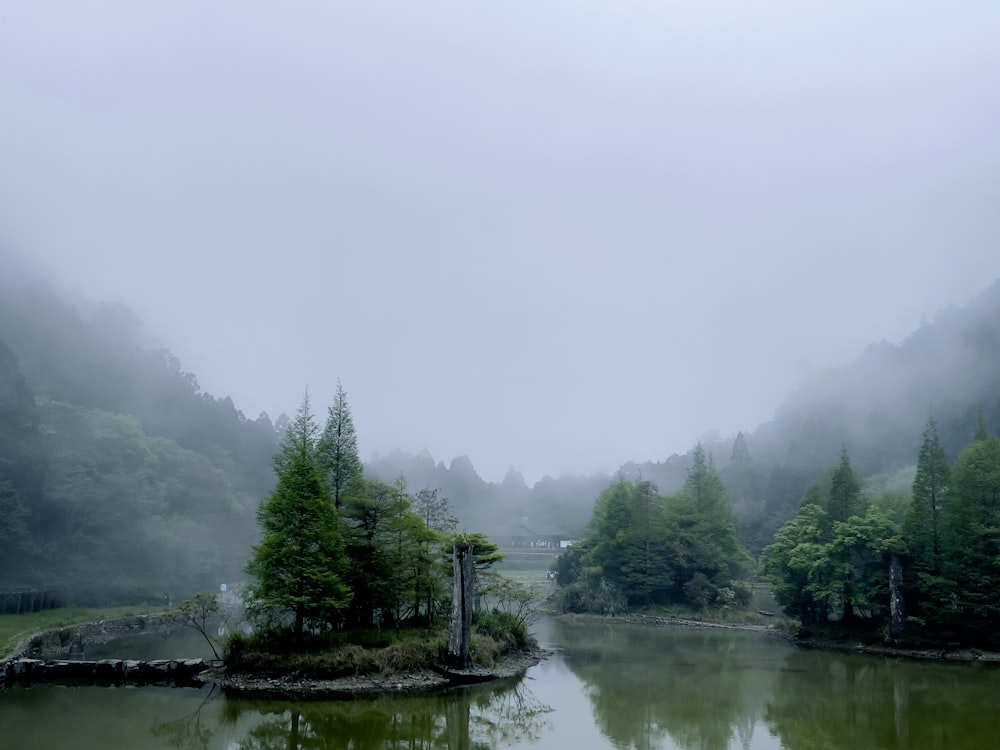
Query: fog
point(558, 236)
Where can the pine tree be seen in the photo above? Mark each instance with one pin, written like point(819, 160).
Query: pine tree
point(845, 490)
point(714, 547)
point(972, 549)
point(741, 453)
point(925, 520)
point(338, 449)
point(298, 564)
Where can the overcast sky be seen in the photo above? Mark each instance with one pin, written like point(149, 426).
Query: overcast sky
point(554, 235)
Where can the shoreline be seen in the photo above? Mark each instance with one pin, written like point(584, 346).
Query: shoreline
point(511, 666)
point(964, 655)
point(657, 621)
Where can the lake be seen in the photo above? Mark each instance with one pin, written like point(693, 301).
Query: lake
point(606, 686)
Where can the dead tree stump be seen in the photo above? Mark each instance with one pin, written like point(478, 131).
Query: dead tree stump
point(460, 626)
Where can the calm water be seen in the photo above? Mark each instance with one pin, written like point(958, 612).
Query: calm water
point(605, 687)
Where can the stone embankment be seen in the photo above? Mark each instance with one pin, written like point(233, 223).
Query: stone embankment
point(25, 672)
point(69, 642)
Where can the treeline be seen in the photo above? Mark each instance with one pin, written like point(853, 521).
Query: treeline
point(644, 549)
point(341, 550)
point(845, 557)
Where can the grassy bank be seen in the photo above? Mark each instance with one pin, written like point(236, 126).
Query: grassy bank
point(17, 628)
point(369, 653)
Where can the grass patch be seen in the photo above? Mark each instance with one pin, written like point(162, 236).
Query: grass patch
point(16, 628)
point(721, 616)
point(344, 654)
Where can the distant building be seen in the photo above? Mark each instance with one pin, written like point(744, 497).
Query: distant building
point(527, 537)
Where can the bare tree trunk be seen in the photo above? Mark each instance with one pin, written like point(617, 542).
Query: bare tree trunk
point(460, 629)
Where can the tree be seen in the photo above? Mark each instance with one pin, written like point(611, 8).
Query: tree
point(741, 453)
point(632, 546)
point(845, 490)
point(22, 469)
point(793, 562)
point(338, 449)
point(925, 519)
point(972, 558)
point(645, 549)
point(195, 614)
point(367, 514)
point(710, 526)
point(299, 562)
point(428, 583)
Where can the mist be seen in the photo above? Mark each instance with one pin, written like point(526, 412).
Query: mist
point(559, 237)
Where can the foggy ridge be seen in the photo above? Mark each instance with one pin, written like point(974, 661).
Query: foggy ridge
point(116, 468)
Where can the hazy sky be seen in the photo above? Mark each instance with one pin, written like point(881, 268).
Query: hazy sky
point(558, 235)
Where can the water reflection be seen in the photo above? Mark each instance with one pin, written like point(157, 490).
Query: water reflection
point(850, 700)
point(189, 731)
point(652, 688)
point(611, 686)
point(469, 719)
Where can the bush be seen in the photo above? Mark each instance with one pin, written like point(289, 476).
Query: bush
point(602, 599)
point(503, 627)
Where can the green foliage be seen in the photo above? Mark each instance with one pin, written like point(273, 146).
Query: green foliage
point(297, 565)
point(973, 534)
point(22, 463)
point(794, 563)
point(502, 627)
point(115, 482)
point(949, 540)
point(845, 490)
point(644, 549)
point(338, 449)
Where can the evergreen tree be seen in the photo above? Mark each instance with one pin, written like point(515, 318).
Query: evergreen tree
point(741, 453)
point(972, 553)
point(436, 520)
point(845, 490)
point(22, 469)
point(338, 449)
point(925, 520)
point(632, 547)
point(713, 546)
point(367, 511)
point(297, 566)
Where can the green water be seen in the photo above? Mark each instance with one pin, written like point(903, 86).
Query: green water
point(605, 687)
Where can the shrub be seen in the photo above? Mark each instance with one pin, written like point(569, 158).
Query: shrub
point(503, 627)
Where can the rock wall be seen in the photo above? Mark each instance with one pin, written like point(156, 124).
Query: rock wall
point(25, 672)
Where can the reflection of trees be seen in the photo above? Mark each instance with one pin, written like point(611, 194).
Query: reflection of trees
point(469, 719)
point(699, 687)
point(823, 700)
point(508, 715)
point(187, 731)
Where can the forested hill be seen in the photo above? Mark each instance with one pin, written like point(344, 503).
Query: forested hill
point(877, 407)
point(119, 478)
